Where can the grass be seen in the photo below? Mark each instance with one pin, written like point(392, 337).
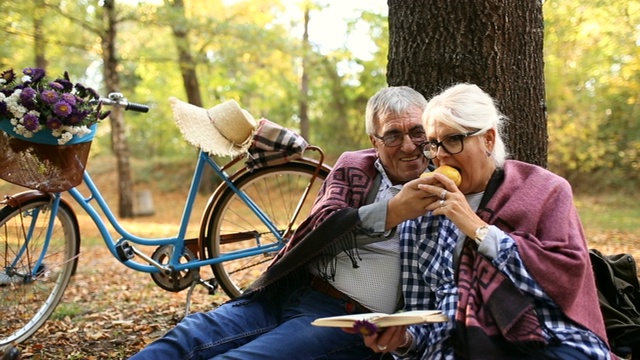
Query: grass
point(611, 211)
point(67, 309)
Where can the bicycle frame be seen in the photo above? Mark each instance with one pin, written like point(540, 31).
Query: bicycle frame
point(246, 221)
point(178, 241)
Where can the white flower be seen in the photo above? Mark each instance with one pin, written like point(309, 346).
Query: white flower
point(84, 130)
point(21, 130)
point(64, 138)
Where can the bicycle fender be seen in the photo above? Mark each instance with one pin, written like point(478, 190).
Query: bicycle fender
point(16, 200)
point(20, 198)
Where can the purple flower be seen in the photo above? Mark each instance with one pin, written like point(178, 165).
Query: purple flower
point(27, 94)
point(31, 122)
point(56, 85)
point(8, 75)
point(36, 74)
point(69, 99)
point(50, 104)
point(66, 84)
point(28, 97)
point(86, 92)
point(76, 117)
point(54, 123)
point(4, 112)
point(364, 327)
point(62, 108)
point(49, 96)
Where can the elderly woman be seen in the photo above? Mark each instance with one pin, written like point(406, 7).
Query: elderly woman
point(503, 254)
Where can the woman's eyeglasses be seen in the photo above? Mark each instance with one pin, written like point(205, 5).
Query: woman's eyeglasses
point(452, 144)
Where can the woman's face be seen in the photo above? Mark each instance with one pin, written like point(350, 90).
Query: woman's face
point(473, 162)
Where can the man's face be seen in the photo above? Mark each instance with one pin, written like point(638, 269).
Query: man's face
point(404, 162)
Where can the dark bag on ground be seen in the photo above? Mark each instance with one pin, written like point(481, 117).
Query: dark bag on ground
point(619, 295)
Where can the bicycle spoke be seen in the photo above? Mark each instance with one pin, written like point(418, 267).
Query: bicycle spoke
point(35, 271)
point(276, 191)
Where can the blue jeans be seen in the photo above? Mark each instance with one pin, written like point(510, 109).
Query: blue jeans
point(254, 330)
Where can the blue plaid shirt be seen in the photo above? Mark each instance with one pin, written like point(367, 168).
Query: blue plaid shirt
point(428, 276)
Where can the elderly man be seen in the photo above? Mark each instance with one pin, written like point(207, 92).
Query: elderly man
point(345, 257)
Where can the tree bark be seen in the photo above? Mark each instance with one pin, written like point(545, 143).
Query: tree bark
point(496, 44)
point(304, 78)
point(118, 130)
point(187, 64)
point(185, 60)
point(39, 39)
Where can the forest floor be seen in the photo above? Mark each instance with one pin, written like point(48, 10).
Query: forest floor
point(110, 311)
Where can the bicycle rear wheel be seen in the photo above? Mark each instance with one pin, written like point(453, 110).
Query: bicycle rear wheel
point(232, 225)
point(34, 272)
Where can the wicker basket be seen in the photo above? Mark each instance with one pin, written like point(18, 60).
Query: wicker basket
point(37, 163)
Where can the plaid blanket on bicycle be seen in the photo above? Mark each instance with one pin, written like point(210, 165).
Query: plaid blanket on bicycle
point(273, 144)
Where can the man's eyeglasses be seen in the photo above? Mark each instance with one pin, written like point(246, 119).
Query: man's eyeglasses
point(452, 144)
point(395, 139)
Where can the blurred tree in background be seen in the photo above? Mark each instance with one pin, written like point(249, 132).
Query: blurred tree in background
point(592, 60)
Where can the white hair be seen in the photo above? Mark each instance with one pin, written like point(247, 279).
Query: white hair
point(393, 100)
point(464, 107)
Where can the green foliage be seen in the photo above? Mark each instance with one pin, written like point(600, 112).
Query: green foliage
point(593, 92)
point(343, 84)
point(250, 51)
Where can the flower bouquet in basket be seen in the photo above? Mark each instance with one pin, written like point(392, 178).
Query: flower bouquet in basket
point(46, 129)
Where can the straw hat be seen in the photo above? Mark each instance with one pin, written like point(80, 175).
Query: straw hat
point(225, 129)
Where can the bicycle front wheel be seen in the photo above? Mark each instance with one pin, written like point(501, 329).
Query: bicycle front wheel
point(234, 227)
point(34, 271)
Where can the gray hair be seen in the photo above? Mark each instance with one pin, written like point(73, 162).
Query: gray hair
point(393, 100)
point(466, 106)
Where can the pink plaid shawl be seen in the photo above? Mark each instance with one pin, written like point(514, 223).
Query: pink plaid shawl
point(535, 207)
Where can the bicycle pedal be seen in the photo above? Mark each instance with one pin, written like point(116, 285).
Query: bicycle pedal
point(211, 285)
point(124, 251)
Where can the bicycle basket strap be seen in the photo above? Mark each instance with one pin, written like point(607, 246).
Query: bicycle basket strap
point(273, 145)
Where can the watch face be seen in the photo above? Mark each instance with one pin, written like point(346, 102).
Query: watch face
point(481, 232)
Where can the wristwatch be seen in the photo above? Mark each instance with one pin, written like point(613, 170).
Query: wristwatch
point(481, 233)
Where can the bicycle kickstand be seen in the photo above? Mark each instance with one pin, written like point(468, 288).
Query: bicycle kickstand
point(198, 281)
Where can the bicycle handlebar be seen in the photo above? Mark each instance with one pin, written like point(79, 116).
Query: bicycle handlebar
point(118, 100)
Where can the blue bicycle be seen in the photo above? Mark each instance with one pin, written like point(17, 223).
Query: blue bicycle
point(247, 219)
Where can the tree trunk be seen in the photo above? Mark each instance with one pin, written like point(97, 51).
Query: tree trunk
point(496, 44)
point(304, 79)
point(187, 64)
point(118, 130)
point(39, 40)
